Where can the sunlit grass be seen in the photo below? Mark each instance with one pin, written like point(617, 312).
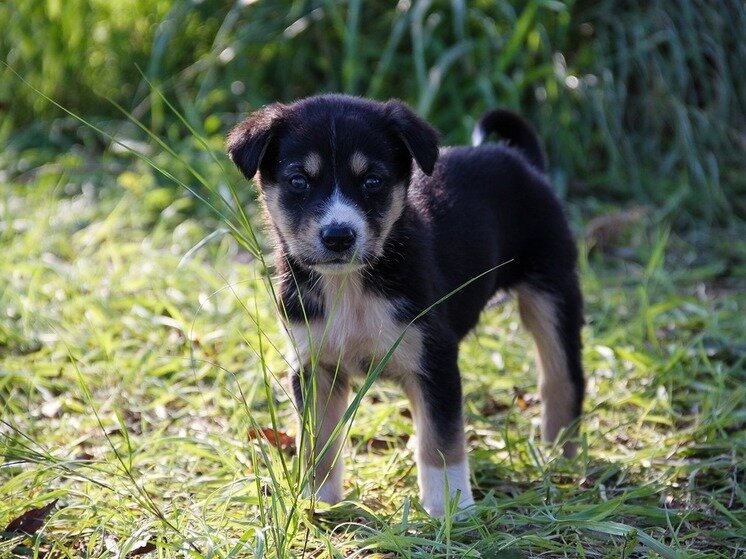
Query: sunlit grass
point(130, 383)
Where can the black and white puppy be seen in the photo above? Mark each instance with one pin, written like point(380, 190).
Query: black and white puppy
point(373, 225)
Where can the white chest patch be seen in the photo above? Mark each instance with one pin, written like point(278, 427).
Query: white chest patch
point(359, 328)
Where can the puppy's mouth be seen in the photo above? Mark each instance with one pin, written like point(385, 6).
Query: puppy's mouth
point(336, 266)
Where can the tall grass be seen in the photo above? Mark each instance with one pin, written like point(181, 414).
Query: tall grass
point(633, 100)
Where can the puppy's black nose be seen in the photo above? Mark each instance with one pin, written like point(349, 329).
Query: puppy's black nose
point(338, 237)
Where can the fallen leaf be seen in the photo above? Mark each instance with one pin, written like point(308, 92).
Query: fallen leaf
point(278, 439)
point(377, 444)
point(84, 455)
point(111, 545)
point(30, 521)
point(147, 547)
point(606, 231)
point(492, 407)
point(524, 400)
point(51, 408)
point(521, 402)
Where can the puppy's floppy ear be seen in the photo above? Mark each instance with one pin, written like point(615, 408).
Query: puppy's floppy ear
point(248, 140)
point(420, 138)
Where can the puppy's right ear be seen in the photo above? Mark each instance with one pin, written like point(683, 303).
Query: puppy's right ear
point(420, 139)
point(248, 140)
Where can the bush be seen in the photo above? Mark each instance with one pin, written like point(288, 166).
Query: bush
point(634, 99)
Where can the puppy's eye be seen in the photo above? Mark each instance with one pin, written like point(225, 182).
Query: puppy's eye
point(298, 183)
point(372, 184)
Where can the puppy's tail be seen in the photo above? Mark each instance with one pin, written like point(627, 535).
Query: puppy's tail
point(515, 130)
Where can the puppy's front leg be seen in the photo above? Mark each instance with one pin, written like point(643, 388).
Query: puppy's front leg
point(442, 465)
point(327, 392)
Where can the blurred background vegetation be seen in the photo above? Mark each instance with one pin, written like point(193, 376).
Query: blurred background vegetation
point(637, 101)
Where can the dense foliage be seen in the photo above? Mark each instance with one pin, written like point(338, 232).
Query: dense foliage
point(635, 99)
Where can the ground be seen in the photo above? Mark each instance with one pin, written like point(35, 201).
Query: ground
point(141, 389)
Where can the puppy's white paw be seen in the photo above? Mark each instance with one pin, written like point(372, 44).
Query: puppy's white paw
point(330, 490)
point(330, 493)
point(437, 507)
point(435, 481)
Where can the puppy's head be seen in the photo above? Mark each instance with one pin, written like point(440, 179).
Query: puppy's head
point(333, 173)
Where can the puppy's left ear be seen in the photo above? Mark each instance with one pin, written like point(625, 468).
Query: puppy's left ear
point(420, 138)
point(248, 141)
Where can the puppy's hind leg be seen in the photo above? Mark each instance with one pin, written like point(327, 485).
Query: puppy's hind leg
point(327, 392)
point(442, 465)
point(554, 319)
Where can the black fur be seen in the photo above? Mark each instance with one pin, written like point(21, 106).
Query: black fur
point(513, 129)
point(485, 212)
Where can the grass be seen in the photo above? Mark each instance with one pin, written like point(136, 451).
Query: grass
point(134, 383)
point(141, 386)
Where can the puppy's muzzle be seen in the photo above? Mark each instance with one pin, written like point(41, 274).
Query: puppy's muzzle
point(338, 237)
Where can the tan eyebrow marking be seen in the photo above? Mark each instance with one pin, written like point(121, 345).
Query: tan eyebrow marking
point(312, 164)
point(358, 163)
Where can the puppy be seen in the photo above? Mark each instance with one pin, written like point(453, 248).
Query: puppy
point(386, 242)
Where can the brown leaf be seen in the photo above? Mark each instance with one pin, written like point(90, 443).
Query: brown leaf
point(147, 547)
point(84, 455)
point(492, 407)
point(606, 231)
point(521, 402)
point(278, 439)
point(376, 444)
point(524, 400)
point(31, 520)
